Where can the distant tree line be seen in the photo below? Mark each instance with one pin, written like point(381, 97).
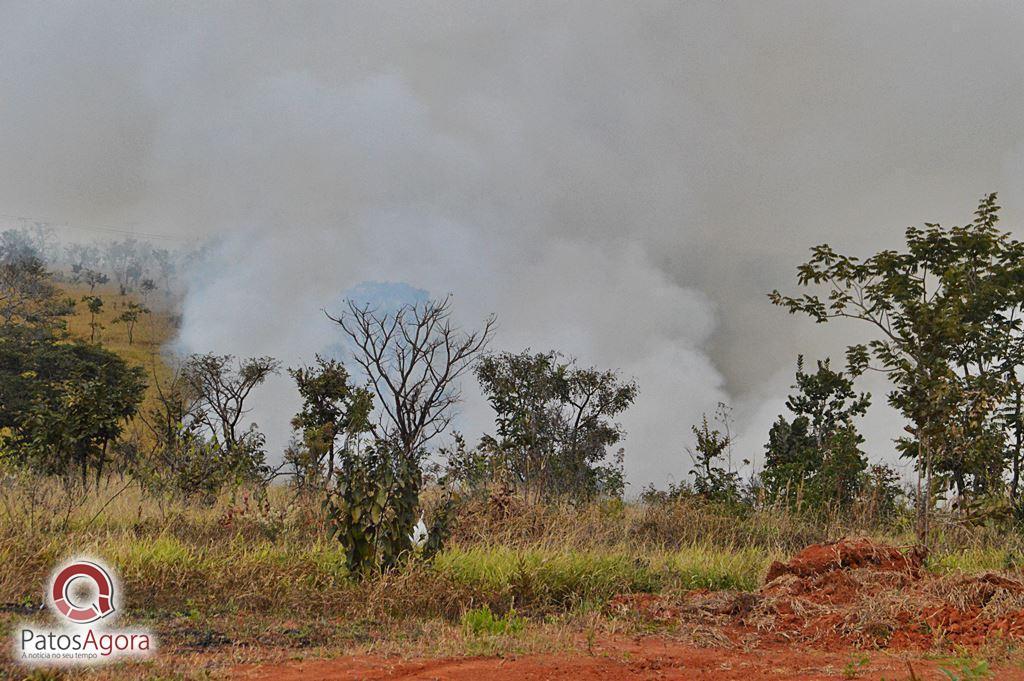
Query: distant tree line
point(133, 265)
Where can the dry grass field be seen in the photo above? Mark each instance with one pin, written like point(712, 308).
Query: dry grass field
point(254, 584)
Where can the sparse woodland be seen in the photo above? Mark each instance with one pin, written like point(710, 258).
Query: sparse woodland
point(112, 446)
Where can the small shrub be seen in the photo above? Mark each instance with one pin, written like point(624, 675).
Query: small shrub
point(856, 664)
point(372, 509)
point(483, 622)
point(968, 669)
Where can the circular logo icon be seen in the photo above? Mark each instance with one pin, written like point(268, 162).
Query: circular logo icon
point(99, 584)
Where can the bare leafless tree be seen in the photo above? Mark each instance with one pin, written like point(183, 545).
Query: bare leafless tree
point(220, 390)
point(198, 443)
point(413, 358)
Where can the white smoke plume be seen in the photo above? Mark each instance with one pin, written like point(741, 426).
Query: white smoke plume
point(620, 181)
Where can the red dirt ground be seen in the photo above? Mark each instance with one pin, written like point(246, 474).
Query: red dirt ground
point(648, 658)
point(813, 619)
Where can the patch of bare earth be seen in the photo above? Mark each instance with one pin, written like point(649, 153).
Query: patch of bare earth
point(613, 658)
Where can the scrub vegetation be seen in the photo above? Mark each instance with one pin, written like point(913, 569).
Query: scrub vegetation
point(381, 530)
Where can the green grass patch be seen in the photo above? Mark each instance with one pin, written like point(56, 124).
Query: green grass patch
point(483, 622)
point(549, 575)
point(715, 568)
point(972, 560)
point(546, 575)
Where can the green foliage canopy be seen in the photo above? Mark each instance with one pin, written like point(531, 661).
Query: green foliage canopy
point(555, 422)
point(946, 318)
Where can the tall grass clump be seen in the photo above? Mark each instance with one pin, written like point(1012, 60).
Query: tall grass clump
point(541, 576)
point(702, 566)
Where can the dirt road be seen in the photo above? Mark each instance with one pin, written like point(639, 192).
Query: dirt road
point(647, 658)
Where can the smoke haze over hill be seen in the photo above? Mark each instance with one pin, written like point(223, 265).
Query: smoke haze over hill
point(622, 182)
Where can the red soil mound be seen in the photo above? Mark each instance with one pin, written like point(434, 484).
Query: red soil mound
point(848, 554)
point(852, 592)
point(976, 610)
point(862, 593)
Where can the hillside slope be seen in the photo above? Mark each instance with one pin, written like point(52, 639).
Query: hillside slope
point(151, 333)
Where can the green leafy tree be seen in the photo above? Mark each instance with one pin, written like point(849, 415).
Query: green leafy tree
point(470, 469)
point(1012, 417)
point(556, 423)
point(792, 457)
point(827, 399)
point(333, 408)
point(882, 493)
point(67, 403)
point(61, 403)
point(815, 461)
point(945, 312)
point(713, 475)
point(95, 306)
point(130, 317)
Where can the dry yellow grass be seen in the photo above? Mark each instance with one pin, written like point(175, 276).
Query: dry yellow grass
point(253, 575)
point(151, 332)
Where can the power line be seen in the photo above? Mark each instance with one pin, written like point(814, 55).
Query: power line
point(93, 228)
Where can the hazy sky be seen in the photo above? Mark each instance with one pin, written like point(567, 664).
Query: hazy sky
point(622, 181)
